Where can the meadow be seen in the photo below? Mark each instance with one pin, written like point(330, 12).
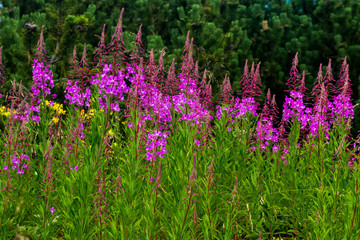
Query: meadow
point(138, 151)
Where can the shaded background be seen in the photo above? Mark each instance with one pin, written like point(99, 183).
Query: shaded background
point(225, 32)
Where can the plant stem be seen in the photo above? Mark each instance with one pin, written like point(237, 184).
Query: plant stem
point(187, 211)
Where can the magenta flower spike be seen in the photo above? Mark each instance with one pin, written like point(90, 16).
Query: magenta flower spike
point(302, 88)
point(295, 78)
point(41, 54)
point(317, 85)
point(226, 95)
point(205, 93)
point(100, 52)
point(77, 92)
point(151, 69)
point(187, 64)
point(244, 79)
point(252, 83)
point(329, 79)
point(343, 79)
point(171, 85)
point(270, 110)
point(117, 46)
point(138, 52)
point(42, 81)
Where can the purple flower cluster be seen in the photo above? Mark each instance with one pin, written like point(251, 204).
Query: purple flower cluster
point(187, 102)
point(75, 95)
point(240, 108)
point(42, 81)
point(341, 108)
point(155, 146)
point(266, 133)
point(111, 87)
point(16, 163)
point(295, 107)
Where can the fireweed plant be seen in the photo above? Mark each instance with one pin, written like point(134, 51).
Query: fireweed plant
point(138, 151)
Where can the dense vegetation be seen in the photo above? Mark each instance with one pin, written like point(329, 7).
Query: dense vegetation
point(226, 33)
point(140, 150)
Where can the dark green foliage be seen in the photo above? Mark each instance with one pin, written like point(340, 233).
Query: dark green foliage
point(226, 33)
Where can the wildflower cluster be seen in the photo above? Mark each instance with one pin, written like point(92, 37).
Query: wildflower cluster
point(112, 88)
point(155, 146)
point(18, 163)
point(42, 81)
point(4, 111)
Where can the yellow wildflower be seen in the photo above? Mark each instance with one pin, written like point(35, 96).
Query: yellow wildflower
point(55, 120)
point(111, 133)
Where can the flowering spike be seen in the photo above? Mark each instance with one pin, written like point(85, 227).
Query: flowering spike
point(75, 63)
point(117, 36)
point(100, 202)
point(83, 58)
point(267, 105)
point(160, 71)
point(329, 79)
point(257, 82)
point(171, 85)
point(344, 80)
point(117, 46)
point(302, 88)
point(322, 100)
point(151, 68)
point(252, 83)
point(196, 72)
point(100, 52)
point(244, 78)
point(187, 64)
point(42, 81)
point(295, 77)
point(77, 92)
point(193, 175)
point(205, 93)
point(138, 52)
point(226, 95)
point(41, 50)
point(161, 60)
point(317, 85)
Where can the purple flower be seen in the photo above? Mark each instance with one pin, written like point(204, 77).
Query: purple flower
point(275, 148)
point(42, 81)
point(52, 210)
point(155, 146)
point(111, 87)
point(75, 168)
point(5, 167)
point(24, 156)
point(35, 118)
